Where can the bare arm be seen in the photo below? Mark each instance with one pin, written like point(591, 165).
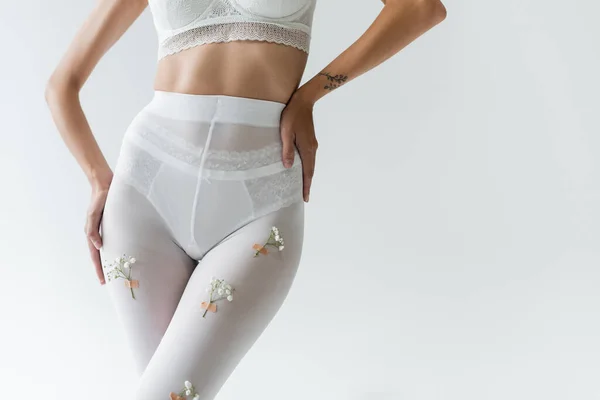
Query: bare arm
point(100, 31)
point(398, 24)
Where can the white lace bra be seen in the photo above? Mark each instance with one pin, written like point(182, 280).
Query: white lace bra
point(182, 24)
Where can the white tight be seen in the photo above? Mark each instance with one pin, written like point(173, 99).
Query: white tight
point(198, 183)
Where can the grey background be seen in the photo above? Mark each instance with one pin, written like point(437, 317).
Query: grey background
point(452, 235)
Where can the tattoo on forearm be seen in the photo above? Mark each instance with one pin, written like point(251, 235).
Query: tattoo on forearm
point(334, 82)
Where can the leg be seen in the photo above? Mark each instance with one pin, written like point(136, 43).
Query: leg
point(205, 351)
point(131, 226)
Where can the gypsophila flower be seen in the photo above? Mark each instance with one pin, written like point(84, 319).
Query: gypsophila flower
point(218, 289)
point(121, 268)
point(275, 240)
point(188, 390)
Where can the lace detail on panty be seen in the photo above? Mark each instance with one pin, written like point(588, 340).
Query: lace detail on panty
point(220, 160)
point(267, 193)
point(270, 193)
point(137, 168)
point(171, 144)
point(224, 160)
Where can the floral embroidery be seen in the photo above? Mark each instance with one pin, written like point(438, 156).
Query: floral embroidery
point(274, 240)
point(188, 390)
point(218, 289)
point(121, 268)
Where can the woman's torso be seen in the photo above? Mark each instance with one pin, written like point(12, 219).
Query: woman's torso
point(253, 69)
point(246, 48)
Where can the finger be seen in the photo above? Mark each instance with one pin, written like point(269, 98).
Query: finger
point(92, 227)
point(287, 139)
point(95, 254)
point(308, 170)
point(308, 151)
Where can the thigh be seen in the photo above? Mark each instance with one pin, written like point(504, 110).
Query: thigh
point(131, 227)
point(206, 350)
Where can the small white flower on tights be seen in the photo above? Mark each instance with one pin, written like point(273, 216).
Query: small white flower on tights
point(121, 269)
point(217, 290)
point(188, 384)
point(275, 240)
point(197, 397)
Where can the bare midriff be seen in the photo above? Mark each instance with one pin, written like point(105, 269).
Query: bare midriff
point(249, 68)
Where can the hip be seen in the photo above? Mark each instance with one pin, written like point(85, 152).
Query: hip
point(196, 145)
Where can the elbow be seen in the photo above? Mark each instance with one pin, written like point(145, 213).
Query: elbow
point(57, 87)
point(433, 11)
point(50, 90)
point(429, 12)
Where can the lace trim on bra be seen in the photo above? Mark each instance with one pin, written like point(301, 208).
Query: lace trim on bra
point(234, 31)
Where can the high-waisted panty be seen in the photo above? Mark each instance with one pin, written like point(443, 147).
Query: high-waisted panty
point(209, 164)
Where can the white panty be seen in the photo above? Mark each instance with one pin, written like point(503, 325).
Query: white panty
point(200, 197)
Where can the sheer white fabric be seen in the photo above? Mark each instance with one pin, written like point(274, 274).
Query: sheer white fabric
point(170, 341)
point(184, 24)
point(207, 157)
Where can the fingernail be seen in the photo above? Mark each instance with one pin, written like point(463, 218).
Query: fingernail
point(102, 283)
point(287, 163)
point(96, 245)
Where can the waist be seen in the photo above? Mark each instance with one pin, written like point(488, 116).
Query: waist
point(243, 69)
point(210, 132)
point(214, 108)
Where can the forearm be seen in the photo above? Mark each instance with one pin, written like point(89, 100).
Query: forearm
point(106, 23)
point(67, 113)
point(398, 24)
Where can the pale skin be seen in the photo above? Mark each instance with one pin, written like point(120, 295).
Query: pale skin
point(251, 69)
